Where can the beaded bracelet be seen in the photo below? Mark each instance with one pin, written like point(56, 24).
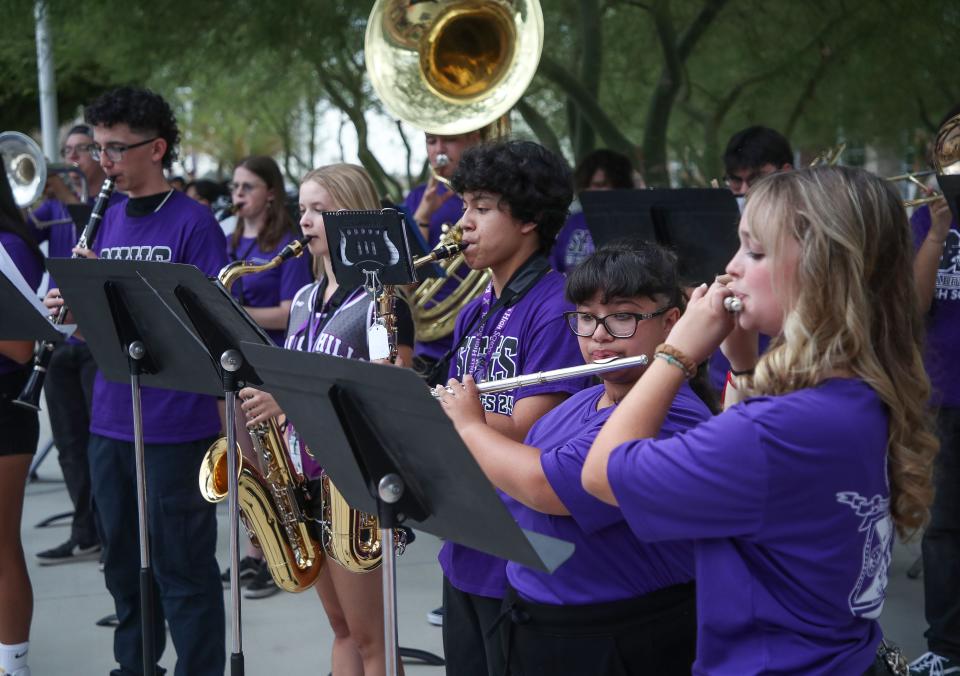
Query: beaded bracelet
point(689, 367)
point(673, 361)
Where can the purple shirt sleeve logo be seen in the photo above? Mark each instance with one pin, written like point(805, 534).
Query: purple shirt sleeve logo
point(867, 596)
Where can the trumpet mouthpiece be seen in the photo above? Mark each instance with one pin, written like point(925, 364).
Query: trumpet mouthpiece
point(442, 160)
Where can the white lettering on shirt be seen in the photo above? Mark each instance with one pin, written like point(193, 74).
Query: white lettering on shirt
point(145, 252)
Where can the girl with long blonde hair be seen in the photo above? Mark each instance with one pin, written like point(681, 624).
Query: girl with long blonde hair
point(332, 319)
point(793, 495)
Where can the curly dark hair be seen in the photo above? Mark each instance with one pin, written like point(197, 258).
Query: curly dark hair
point(144, 111)
point(535, 183)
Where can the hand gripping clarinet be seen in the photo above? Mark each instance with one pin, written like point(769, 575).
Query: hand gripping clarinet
point(30, 395)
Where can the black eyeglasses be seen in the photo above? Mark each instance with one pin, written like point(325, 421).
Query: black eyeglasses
point(115, 151)
point(80, 149)
point(617, 324)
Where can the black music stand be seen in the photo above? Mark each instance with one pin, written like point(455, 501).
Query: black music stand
point(24, 318)
point(391, 451)
point(137, 318)
point(699, 224)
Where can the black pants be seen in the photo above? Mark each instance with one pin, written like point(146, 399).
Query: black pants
point(69, 392)
point(471, 642)
point(941, 543)
point(655, 634)
point(19, 427)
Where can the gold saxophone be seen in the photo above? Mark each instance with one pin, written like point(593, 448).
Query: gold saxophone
point(351, 537)
point(273, 498)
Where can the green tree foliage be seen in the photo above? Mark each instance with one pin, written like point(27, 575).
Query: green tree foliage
point(663, 81)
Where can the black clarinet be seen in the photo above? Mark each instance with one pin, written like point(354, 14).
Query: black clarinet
point(30, 395)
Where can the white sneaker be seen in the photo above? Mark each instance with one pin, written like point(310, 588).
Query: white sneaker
point(932, 664)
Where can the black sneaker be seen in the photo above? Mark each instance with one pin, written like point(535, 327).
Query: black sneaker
point(68, 552)
point(249, 566)
point(435, 617)
point(262, 584)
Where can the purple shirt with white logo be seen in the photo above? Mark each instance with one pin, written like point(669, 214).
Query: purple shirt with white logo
point(31, 268)
point(943, 318)
point(269, 288)
point(448, 214)
point(180, 231)
point(609, 562)
point(534, 337)
point(788, 503)
point(574, 244)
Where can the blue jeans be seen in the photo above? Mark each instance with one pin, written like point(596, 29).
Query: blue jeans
point(183, 538)
point(941, 543)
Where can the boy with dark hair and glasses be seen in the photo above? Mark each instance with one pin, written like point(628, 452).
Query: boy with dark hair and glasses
point(617, 605)
point(753, 153)
point(135, 134)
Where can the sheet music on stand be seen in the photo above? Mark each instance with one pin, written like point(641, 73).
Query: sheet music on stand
point(12, 286)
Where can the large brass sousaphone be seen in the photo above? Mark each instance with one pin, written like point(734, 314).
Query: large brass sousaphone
point(451, 67)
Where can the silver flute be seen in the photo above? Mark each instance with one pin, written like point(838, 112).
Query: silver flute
point(732, 304)
point(599, 366)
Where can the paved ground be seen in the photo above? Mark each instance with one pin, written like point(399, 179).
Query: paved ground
point(286, 633)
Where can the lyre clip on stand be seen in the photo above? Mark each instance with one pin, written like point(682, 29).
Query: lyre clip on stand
point(165, 307)
point(371, 249)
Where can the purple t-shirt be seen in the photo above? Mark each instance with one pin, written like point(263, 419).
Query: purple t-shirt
point(448, 214)
point(943, 319)
point(31, 268)
point(181, 231)
point(269, 287)
point(532, 337)
point(791, 521)
point(609, 562)
point(574, 243)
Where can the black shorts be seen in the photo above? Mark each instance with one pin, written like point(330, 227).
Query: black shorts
point(19, 426)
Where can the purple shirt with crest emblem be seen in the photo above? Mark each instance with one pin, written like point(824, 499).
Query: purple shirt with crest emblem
point(534, 338)
point(180, 231)
point(791, 523)
point(609, 562)
point(943, 318)
point(574, 244)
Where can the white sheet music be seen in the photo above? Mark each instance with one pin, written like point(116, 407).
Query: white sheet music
point(9, 270)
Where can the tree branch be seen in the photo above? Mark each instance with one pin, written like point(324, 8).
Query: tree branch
point(539, 125)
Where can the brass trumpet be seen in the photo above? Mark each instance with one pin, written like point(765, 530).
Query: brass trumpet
point(946, 160)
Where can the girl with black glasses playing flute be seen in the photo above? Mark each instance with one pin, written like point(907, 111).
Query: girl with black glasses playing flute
point(617, 602)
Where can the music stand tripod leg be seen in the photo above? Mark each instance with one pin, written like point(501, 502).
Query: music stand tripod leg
point(389, 491)
point(137, 351)
point(231, 361)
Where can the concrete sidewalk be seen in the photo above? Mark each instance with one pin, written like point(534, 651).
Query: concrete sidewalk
point(287, 633)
